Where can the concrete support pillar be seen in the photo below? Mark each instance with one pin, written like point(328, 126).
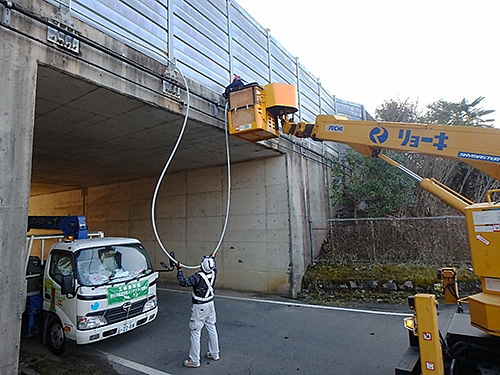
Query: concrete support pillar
point(17, 110)
point(298, 203)
point(308, 199)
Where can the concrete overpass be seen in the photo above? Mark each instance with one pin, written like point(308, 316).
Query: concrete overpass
point(89, 115)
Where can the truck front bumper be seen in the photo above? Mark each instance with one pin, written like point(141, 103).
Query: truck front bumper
point(101, 333)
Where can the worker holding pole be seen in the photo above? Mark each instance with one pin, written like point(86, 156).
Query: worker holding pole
point(202, 310)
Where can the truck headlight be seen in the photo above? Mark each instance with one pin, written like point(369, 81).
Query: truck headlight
point(150, 304)
point(90, 322)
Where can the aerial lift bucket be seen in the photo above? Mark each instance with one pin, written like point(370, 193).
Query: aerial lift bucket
point(254, 110)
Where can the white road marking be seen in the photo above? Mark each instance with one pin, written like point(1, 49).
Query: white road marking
point(152, 371)
point(294, 304)
point(132, 365)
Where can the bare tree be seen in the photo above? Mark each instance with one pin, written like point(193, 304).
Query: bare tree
point(459, 176)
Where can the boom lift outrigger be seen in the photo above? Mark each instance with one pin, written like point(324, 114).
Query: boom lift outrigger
point(255, 113)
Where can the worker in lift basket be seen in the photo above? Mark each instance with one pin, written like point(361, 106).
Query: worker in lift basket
point(237, 82)
point(202, 311)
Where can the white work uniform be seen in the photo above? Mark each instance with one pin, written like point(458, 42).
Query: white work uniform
point(203, 315)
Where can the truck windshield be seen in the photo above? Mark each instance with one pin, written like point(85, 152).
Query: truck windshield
point(112, 264)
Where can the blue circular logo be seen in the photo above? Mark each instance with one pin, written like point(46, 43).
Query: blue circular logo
point(379, 135)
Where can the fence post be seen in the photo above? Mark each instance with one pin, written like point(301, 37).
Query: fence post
point(374, 245)
point(449, 239)
point(311, 239)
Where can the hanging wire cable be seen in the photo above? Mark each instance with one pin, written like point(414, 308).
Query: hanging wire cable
point(165, 168)
point(167, 164)
point(228, 183)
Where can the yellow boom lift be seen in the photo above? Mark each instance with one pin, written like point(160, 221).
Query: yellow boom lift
point(469, 343)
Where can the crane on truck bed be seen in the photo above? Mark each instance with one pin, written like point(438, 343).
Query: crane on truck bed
point(90, 287)
point(75, 226)
point(470, 343)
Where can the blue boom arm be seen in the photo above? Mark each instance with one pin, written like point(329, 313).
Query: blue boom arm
point(75, 226)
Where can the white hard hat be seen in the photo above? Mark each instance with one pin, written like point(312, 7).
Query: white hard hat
point(207, 264)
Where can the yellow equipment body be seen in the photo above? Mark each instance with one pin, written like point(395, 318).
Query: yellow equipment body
point(254, 110)
point(428, 334)
point(485, 312)
point(281, 98)
point(483, 226)
point(476, 146)
point(247, 116)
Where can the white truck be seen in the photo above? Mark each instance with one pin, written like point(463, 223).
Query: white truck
point(88, 289)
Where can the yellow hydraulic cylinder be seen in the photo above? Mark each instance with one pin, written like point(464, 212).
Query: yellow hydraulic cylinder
point(446, 194)
point(433, 186)
point(431, 355)
point(449, 280)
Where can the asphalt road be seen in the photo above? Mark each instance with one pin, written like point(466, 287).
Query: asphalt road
point(260, 336)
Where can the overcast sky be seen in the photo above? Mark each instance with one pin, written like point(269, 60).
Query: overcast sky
point(369, 51)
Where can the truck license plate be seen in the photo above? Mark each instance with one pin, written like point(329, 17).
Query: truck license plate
point(127, 327)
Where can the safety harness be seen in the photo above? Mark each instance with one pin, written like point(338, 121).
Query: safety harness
point(209, 280)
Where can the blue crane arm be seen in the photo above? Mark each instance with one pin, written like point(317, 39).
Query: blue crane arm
point(75, 226)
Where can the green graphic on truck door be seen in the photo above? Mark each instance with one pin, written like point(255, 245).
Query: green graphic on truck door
point(54, 291)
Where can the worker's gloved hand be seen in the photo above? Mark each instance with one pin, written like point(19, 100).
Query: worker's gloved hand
point(172, 259)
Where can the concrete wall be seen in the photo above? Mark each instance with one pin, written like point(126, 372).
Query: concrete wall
point(190, 212)
point(17, 77)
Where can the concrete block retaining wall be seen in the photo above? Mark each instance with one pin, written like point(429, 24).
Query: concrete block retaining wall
point(190, 212)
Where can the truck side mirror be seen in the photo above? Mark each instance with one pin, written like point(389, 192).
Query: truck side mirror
point(68, 285)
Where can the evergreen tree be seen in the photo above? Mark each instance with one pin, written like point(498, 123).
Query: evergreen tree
point(461, 113)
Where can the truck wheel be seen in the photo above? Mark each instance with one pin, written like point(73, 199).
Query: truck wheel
point(57, 341)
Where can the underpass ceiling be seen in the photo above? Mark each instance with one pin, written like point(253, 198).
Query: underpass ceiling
point(86, 135)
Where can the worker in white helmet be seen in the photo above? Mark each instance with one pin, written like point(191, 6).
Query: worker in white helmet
point(202, 310)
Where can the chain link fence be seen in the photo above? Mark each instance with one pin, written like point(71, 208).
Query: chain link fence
point(435, 241)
